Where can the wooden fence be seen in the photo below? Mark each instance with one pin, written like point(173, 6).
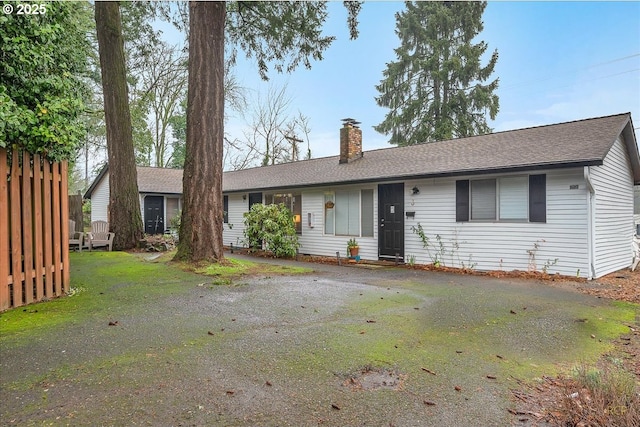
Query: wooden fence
point(34, 229)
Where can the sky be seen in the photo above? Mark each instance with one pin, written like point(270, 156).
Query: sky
point(558, 61)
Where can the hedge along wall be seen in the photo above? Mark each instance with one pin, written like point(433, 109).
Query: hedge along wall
point(34, 229)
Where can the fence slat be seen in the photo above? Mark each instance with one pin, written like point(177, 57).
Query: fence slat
point(37, 227)
point(16, 226)
point(64, 207)
point(27, 229)
point(57, 241)
point(48, 235)
point(4, 232)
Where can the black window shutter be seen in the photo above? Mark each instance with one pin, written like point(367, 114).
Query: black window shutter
point(538, 198)
point(462, 200)
point(225, 203)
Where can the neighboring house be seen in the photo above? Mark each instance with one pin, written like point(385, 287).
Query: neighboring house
point(160, 197)
point(558, 198)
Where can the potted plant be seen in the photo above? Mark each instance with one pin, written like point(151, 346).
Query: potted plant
point(352, 248)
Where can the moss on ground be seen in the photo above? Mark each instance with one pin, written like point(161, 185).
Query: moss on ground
point(103, 280)
point(408, 329)
point(233, 268)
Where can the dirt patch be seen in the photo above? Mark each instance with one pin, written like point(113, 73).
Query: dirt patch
point(369, 378)
point(623, 285)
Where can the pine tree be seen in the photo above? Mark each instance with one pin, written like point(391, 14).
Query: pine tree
point(125, 218)
point(285, 34)
point(435, 89)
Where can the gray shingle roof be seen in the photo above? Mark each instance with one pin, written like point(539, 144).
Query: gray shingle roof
point(578, 143)
point(159, 180)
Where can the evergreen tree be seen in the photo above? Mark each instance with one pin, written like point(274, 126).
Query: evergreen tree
point(435, 89)
point(285, 34)
point(124, 202)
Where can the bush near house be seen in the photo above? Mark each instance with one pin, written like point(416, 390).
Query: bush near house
point(273, 226)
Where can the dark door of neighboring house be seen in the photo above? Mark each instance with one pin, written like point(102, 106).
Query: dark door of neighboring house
point(254, 198)
point(391, 220)
point(154, 214)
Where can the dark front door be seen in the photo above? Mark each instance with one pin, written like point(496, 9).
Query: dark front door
point(391, 220)
point(154, 214)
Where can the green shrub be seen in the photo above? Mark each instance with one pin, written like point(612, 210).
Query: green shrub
point(272, 225)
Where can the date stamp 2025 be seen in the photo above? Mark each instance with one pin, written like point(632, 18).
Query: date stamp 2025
point(24, 9)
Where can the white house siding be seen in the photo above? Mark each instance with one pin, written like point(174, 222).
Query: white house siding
point(502, 245)
point(560, 245)
point(100, 200)
point(613, 217)
point(313, 240)
point(141, 197)
point(233, 231)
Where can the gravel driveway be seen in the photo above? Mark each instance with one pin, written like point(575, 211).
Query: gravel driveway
point(342, 346)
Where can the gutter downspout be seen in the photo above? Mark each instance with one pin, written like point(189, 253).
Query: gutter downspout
point(591, 222)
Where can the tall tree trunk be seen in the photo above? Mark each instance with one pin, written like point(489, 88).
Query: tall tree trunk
point(124, 201)
point(202, 213)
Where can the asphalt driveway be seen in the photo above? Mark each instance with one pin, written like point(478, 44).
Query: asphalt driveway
point(342, 346)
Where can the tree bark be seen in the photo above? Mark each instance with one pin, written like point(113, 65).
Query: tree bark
point(124, 202)
point(202, 213)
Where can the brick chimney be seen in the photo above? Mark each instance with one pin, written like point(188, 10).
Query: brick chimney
point(350, 141)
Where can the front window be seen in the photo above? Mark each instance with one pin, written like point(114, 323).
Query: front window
point(293, 201)
point(349, 213)
point(503, 198)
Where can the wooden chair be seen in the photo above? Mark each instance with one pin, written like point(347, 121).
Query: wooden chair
point(100, 235)
point(75, 237)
